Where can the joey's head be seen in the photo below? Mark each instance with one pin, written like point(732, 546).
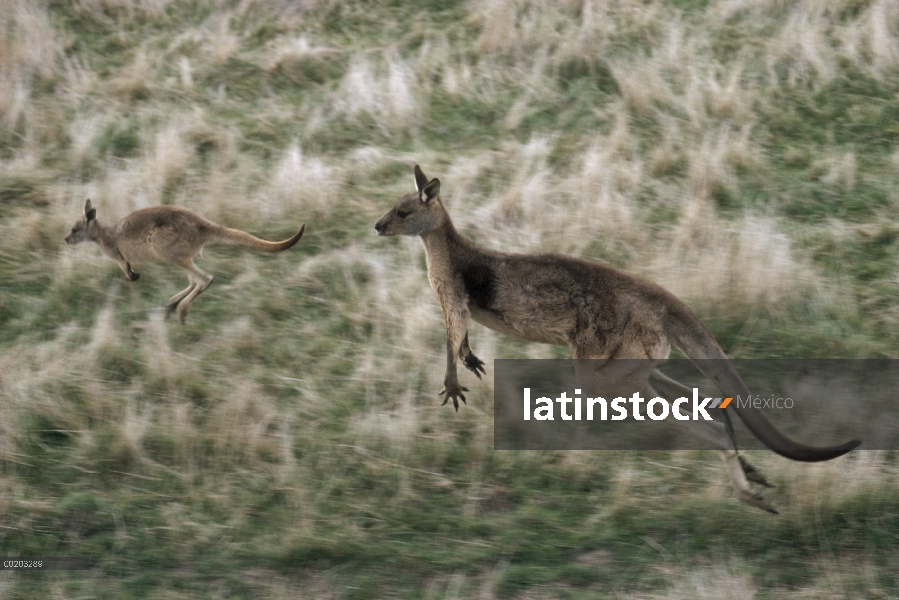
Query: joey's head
point(82, 228)
point(415, 213)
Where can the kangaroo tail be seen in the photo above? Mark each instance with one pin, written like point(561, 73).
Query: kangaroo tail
point(236, 237)
point(691, 336)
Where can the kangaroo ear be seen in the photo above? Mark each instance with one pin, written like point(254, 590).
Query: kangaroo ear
point(420, 179)
point(89, 211)
point(430, 191)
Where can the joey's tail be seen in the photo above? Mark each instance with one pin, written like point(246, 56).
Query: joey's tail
point(691, 336)
point(236, 237)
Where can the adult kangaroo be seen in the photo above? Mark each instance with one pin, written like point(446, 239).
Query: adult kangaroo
point(597, 311)
point(166, 234)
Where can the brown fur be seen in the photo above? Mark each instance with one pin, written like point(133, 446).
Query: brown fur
point(166, 234)
point(597, 311)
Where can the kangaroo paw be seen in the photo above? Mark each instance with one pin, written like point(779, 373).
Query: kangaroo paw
point(475, 365)
point(130, 275)
point(455, 392)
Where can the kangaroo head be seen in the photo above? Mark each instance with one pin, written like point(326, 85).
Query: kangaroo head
point(83, 227)
point(415, 213)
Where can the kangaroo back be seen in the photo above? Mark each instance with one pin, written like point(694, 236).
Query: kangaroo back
point(236, 237)
point(694, 339)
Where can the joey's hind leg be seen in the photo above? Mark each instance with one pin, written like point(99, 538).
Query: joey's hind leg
point(199, 282)
point(177, 298)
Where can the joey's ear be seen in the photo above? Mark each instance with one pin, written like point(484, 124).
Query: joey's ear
point(89, 211)
point(420, 179)
point(430, 191)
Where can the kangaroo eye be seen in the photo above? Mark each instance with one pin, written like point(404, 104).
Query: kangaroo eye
point(402, 214)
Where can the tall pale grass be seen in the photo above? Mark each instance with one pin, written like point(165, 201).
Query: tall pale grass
point(385, 92)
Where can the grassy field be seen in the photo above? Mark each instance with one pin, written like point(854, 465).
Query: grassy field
point(287, 442)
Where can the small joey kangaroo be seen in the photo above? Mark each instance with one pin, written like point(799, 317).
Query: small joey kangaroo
point(598, 312)
point(166, 234)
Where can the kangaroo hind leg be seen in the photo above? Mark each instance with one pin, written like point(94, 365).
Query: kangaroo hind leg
point(740, 471)
point(199, 281)
point(624, 376)
point(177, 298)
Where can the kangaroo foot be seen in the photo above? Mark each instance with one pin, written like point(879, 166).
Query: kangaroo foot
point(757, 500)
point(753, 474)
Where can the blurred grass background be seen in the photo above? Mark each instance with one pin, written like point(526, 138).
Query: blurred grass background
point(288, 441)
